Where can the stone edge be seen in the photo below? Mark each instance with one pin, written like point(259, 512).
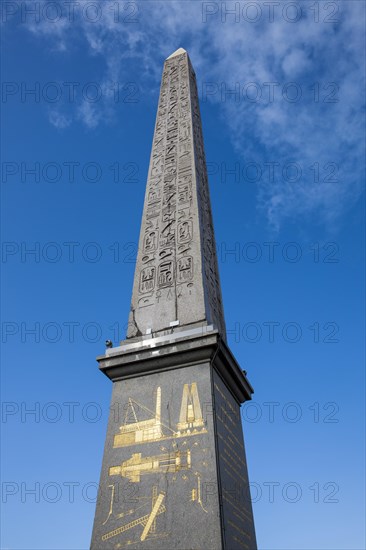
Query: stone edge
point(171, 355)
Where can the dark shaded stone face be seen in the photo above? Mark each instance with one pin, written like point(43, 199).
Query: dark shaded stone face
point(158, 486)
point(237, 516)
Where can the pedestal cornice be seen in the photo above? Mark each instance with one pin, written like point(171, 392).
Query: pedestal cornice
point(176, 350)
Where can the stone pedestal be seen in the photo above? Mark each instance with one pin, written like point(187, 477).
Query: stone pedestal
point(174, 474)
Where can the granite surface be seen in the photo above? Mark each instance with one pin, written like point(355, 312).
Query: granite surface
point(176, 279)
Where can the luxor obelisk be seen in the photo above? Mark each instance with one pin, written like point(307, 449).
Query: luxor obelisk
point(174, 472)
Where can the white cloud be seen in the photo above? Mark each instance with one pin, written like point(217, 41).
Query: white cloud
point(89, 114)
point(59, 120)
point(295, 63)
point(309, 53)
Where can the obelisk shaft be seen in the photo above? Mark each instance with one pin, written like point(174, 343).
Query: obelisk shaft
point(176, 280)
point(174, 473)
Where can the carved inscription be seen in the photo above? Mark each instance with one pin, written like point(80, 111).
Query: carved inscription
point(237, 510)
point(166, 274)
point(147, 279)
point(185, 231)
point(185, 269)
point(211, 273)
point(177, 226)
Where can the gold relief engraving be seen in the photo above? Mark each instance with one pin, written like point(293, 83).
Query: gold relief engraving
point(245, 533)
point(227, 442)
point(228, 416)
point(111, 504)
point(237, 441)
point(226, 495)
point(190, 411)
point(147, 521)
point(140, 431)
point(196, 494)
point(172, 181)
point(236, 471)
point(239, 464)
point(137, 465)
point(153, 429)
point(241, 543)
point(220, 392)
point(173, 462)
point(234, 478)
point(157, 508)
point(239, 459)
point(240, 518)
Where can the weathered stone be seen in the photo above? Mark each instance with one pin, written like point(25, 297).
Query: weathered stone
point(174, 431)
point(176, 280)
point(174, 473)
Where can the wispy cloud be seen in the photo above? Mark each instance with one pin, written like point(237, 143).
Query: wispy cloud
point(322, 59)
point(59, 120)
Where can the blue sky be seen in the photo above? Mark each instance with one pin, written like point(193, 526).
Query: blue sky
point(286, 178)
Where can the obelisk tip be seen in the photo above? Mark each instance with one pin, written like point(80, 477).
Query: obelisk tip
point(179, 51)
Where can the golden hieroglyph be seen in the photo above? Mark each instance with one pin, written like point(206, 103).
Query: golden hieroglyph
point(147, 520)
point(190, 411)
point(153, 429)
point(136, 466)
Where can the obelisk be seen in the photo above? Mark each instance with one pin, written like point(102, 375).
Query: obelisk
point(174, 473)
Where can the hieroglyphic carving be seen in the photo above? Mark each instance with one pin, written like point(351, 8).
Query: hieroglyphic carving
point(147, 279)
point(166, 274)
point(210, 271)
point(185, 269)
point(177, 231)
point(235, 491)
